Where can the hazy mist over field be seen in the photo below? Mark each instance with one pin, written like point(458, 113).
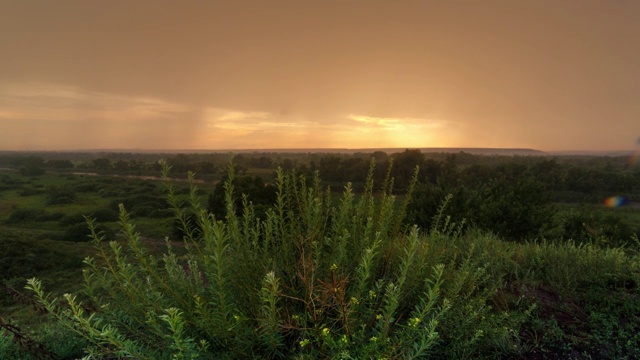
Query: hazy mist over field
point(548, 75)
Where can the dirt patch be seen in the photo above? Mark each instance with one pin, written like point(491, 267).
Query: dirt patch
point(565, 311)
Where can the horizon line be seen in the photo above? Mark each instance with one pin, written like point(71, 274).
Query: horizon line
point(321, 149)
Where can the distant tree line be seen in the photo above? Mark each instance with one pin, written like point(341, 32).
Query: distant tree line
point(513, 196)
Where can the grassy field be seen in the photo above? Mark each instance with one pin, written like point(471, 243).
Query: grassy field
point(46, 237)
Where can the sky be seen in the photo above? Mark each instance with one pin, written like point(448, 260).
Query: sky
point(551, 75)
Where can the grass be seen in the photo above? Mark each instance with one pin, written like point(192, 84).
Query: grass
point(25, 253)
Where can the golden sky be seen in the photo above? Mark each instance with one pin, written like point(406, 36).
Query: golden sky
point(155, 74)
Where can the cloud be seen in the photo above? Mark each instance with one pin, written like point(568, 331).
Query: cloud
point(251, 121)
point(395, 123)
point(52, 116)
point(53, 102)
point(400, 126)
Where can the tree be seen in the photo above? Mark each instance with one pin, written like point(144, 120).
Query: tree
point(404, 164)
point(512, 204)
point(31, 170)
point(102, 164)
point(516, 210)
point(254, 188)
point(60, 164)
point(428, 199)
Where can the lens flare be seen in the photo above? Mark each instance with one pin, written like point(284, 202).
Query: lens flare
point(615, 201)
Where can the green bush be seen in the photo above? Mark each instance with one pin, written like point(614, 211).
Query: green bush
point(143, 202)
point(515, 209)
point(23, 256)
point(144, 188)
point(61, 341)
point(101, 215)
point(9, 349)
point(105, 215)
point(111, 193)
point(50, 216)
point(51, 342)
point(86, 187)
point(79, 232)
point(142, 211)
point(28, 191)
point(311, 279)
point(71, 219)
point(161, 213)
point(57, 195)
point(591, 225)
point(8, 180)
point(20, 215)
point(31, 170)
point(261, 195)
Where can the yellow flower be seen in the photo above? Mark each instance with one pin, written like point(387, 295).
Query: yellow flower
point(325, 332)
point(304, 342)
point(414, 322)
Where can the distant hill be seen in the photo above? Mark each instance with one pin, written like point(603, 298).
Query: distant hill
point(486, 151)
point(592, 153)
point(469, 150)
point(476, 151)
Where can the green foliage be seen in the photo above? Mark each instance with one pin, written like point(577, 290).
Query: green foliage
point(272, 288)
point(589, 225)
point(23, 257)
point(144, 204)
point(614, 320)
point(29, 191)
point(52, 342)
point(59, 164)
point(325, 275)
point(514, 209)
point(261, 195)
point(80, 233)
point(31, 170)
point(10, 347)
point(57, 195)
point(20, 215)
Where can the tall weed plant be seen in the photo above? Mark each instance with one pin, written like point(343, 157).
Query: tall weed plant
point(310, 280)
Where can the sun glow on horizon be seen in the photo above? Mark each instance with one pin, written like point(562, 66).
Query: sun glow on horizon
point(402, 131)
point(245, 129)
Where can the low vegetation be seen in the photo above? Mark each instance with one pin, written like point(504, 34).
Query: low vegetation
point(291, 269)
